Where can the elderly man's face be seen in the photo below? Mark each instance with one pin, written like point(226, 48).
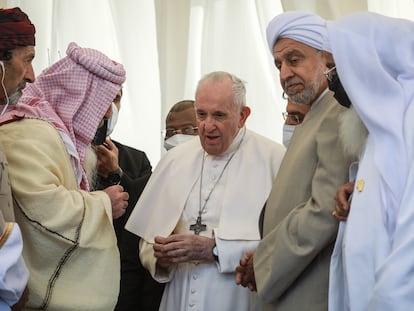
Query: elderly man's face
point(218, 117)
point(301, 70)
point(18, 71)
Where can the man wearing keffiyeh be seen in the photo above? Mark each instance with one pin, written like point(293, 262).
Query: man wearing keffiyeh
point(17, 42)
point(70, 245)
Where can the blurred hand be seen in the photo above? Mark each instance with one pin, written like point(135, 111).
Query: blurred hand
point(245, 272)
point(107, 158)
point(22, 301)
point(179, 248)
point(342, 205)
point(119, 200)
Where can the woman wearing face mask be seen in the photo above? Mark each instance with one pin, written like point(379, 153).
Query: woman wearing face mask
point(294, 115)
point(180, 124)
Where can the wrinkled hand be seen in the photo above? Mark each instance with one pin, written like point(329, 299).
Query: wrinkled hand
point(245, 272)
point(179, 248)
point(107, 158)
point(119, 200)
point(22, 301)
point(342, 205)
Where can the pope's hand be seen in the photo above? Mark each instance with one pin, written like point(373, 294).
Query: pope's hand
point(179, 248)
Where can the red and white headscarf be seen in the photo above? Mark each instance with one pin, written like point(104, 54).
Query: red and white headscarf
point(74, 95)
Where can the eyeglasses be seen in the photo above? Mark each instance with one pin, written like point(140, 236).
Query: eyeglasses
point(293, 119)
point(188, 130)
point(329, 73)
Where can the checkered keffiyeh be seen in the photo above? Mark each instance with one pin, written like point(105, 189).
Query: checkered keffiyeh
point(15, 29)
point(73, 94)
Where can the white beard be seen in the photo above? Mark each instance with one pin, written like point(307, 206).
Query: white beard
point(90, 166)
point(353, 133)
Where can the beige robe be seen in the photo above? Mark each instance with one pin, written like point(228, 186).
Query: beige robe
point(13, 271)
point(69, 242)
point(6, 203)
point(291, 263)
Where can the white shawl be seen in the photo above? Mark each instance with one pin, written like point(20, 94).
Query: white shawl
point(252, 172)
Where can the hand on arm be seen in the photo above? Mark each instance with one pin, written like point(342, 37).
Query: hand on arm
point(179, 248)
point(245, 272)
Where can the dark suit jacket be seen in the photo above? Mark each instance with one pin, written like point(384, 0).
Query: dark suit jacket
point(139, 291)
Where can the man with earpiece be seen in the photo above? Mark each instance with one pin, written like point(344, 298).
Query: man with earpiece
point(17, 40)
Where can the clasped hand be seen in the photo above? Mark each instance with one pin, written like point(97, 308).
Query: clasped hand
point(342, 205)
point(180, 248)
point(245, 272)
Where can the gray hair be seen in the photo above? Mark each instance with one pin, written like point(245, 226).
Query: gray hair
point(238, 87)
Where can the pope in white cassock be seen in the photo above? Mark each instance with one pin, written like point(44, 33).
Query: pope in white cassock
point(199, 212)
point(372, 267)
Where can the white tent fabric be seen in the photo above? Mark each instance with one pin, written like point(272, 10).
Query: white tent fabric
point(167, 45)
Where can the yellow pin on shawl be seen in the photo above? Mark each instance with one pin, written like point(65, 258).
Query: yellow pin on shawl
point(360, 185)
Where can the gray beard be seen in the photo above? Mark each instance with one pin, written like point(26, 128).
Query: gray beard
point(14, 97)
point(89, 165)
point(308, 95)
point(353, 133)
point(305, 97)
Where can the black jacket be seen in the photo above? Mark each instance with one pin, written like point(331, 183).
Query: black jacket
point(139, 291)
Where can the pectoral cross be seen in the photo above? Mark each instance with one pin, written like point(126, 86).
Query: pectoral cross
point(198, 226)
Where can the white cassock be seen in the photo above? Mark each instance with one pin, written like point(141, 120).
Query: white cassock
point(13, 272)
point(170, 204)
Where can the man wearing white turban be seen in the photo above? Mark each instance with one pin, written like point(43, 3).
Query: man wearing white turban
point(373, 263)
point(291, 263)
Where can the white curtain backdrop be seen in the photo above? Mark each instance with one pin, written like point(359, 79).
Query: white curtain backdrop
point(167, 45)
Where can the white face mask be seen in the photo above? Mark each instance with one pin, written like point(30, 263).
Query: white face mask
point(287, 133)
point(112, 120)
point(177, 139)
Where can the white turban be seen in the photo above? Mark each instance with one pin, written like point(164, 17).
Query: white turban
point(375, 62)
point(303, 27)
